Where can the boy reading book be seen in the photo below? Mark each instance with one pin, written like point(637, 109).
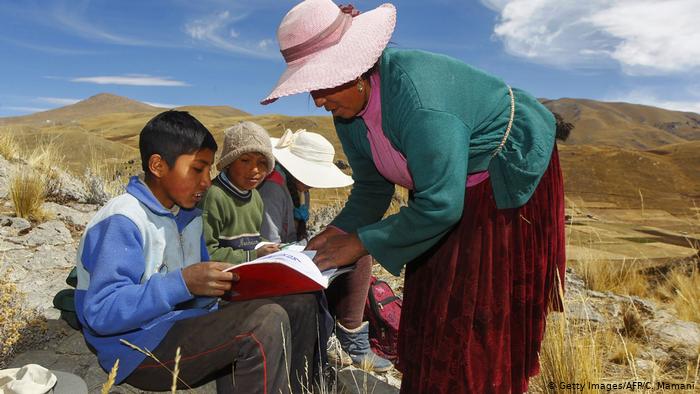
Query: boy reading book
point(144, 277)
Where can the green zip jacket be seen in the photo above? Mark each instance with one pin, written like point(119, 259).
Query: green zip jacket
point(231, 225)
point(447, 118)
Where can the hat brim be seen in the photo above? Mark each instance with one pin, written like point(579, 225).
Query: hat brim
point(312, 174)
point(354, 54)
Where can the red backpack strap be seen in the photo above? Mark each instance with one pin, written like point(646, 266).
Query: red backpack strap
point(276, 177)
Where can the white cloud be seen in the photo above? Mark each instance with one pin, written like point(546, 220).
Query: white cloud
point(131, 80)
point(161, 105)
point(72, 17)
point(264, 44)
point(215, 31)
point(642, 36)
point(648, 97)
point(23, 109)
point(56, 100)
point(45, 48)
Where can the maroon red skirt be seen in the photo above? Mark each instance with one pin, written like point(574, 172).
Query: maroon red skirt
point(475, 305)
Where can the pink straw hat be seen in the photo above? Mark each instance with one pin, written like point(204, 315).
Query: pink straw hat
point(325, 46)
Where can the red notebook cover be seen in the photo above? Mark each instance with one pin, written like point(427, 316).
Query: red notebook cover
point(269, 280)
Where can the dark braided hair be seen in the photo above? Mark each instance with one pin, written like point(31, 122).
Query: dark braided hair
point(292, 187)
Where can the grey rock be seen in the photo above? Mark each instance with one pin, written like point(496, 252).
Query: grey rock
point(15, 223)
point(583, 311)
point(69, 187)
point(69, 215)
point(74, 344)
point(5, 171)
point(40, 274)
point(53, 232)
point(677, 337)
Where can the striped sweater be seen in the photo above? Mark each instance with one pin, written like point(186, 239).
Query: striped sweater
point(231, 224)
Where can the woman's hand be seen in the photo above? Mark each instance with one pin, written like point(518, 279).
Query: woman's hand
point(208, 279)
point(338, 251)
point(316, 242)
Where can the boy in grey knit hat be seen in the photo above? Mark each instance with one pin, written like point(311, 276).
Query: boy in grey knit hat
point(232, 207)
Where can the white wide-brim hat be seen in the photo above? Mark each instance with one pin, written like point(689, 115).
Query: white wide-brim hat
point(325, 47)
point(30, 379)
point(309, 158)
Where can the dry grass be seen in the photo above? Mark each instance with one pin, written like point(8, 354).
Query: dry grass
point(567, 354)
point(17, 322)
point(47, 161)
point(9, 148)
point(28, 192)
point(621, 277)
point(338, 197)
point(102, 180)
point(682, 289)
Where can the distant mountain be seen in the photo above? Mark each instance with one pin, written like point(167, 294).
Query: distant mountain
point(109, 104)
point(100, 104)
point(625, 125)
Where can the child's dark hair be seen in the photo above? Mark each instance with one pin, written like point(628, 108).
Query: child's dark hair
point(171, 134)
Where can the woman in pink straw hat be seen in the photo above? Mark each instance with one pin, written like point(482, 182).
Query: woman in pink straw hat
point(482, 237)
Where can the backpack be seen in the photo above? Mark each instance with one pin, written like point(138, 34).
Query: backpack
point(64, 301)
point(383, 312)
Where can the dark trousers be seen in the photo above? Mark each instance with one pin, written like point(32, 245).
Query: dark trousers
point(348, 292)
point(257, 346)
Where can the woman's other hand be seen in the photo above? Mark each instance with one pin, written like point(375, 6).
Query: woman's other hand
point(338, 251)
point(316, 242)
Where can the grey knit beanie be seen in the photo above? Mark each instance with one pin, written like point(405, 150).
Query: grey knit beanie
point(245, 137)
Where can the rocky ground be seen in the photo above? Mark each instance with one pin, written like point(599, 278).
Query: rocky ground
point(36, 257)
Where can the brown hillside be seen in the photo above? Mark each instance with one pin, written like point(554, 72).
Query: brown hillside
point(100, 104)
point(625, 125)
point(667, 178)
point(221, 110)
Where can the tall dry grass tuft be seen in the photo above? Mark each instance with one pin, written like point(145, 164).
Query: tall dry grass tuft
point(9, 148)
point(102, 180)
point(621, 277)
point(28, 192)
point(682, 289)
point(46, 159)
point(567, 354)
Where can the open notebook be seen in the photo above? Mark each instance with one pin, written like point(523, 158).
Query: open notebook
point(285, 272)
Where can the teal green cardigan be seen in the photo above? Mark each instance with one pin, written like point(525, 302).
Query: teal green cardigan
point(446, 118)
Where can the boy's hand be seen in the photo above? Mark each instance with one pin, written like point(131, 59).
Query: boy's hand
point(207, 279)
point(267, 249)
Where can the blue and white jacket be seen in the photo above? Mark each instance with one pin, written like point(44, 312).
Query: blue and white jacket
point(130, 284)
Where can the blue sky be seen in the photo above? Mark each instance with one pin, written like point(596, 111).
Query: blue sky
point(216, 52)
